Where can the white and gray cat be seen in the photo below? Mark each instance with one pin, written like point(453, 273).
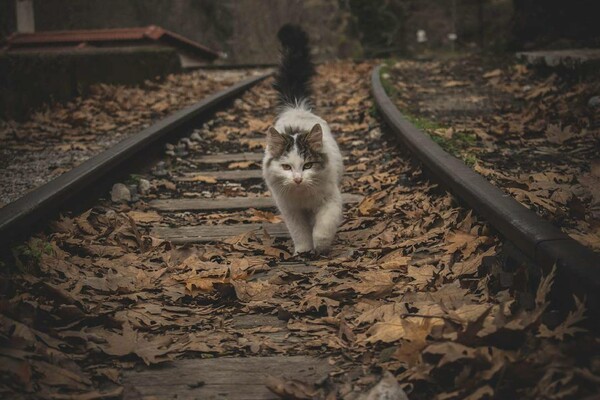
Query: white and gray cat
point(302, 165)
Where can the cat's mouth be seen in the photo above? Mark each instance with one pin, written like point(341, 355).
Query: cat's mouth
point(299, 186)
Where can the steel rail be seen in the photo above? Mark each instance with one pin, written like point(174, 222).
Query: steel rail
point(92, 176)
point(536, 238)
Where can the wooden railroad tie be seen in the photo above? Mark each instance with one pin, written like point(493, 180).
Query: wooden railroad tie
point(216, 233)
point(233, 175)
point(220, 158)
point(211, 378)
point(228, 203)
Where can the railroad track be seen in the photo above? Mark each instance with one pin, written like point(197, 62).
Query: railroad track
point(83, 184)
point(81, 187)
point(538, 240)
point(202, 260)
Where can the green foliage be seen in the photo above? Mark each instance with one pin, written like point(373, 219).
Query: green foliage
point(27, 257)
point(133, 179)
point(459, 145)
point(373, 112)
point(388, 86)
point(379, 25)
point(422, 123)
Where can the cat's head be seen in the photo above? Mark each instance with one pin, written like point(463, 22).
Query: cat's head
point(296, 157)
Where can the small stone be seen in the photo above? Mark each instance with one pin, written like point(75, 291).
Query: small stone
point(170, 153)
point(143, 186)
point(594, 102)
point(111, 214)
point(238, 103)
point(160, 169)
point(181, 150)
point(133, 192)
point(196, 137)
point(254, 347)
point(375, 134)
point(186, 141)
point(169, 146)
point(120, 193)
point(388, 388)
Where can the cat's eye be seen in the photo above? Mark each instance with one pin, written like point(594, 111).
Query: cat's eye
point(286, 167)
point(308, 165)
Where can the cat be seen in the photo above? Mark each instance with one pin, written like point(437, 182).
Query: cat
point(302, 165)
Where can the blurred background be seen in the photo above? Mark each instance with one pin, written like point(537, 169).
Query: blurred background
point(57, 49)
point(245, 30)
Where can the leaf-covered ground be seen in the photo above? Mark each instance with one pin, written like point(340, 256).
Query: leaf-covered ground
point(415, 284)
point(59, 137)
point(532, 134)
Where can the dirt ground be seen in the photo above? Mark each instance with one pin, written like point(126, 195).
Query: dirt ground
point(533, 134)
point(415, 284)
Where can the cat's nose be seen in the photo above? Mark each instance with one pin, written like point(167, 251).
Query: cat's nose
point(298, 179)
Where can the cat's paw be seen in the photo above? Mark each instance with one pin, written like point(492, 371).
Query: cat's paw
point(299, 250)
point(322, 246)
point(305, 255)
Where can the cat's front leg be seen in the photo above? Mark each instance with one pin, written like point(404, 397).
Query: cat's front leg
point(298, 224)
point(327, 220)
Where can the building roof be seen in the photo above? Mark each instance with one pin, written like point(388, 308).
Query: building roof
point(107, 37)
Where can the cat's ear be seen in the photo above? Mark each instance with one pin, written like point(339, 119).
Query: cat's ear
point(275, 142)
point(315, 138)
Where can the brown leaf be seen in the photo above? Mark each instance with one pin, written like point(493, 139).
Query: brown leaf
point(130, 342)
point(451, 84)
point(387, 331)
point(559, 135)
point(471, 265)
point(450, 352)
point(201, 178)
point(567, 327)
point(253, 291)
point(484, 392)
point(203, 284)
point(492, 74)
point(241, 165)
point(144, 216)
point(367, 206)
point(422, 276)
point(264, 216)
point(374, 283)
point(290, 388)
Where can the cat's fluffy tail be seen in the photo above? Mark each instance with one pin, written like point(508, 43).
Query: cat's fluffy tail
point(296, 69)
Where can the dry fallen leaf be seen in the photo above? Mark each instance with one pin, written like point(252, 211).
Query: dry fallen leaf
point(201, 178)
point(144, 216)
point(559, 135)
point(290, 389)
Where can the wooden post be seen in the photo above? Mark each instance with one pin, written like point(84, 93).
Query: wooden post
point(25, 17)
